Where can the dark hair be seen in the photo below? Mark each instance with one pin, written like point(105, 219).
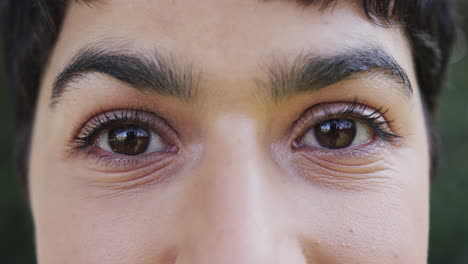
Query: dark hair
point(31, 28)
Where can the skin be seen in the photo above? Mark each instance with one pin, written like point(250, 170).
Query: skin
point(236, 191)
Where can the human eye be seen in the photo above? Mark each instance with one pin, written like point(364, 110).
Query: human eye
point(343, 126)
point(344, 145)
point(124, 139)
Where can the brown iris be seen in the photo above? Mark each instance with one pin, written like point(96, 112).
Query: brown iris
point(128, 140)
point(335, 133)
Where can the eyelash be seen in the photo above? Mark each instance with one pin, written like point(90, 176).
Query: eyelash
point(83, 142)
point(355, 111)
point(87, 136)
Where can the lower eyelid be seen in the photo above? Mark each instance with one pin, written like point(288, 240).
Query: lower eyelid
point(361, 182)
point(374, 149)
point(96, 157)
point(355, 166)
point(106, 169)
point(362, 175)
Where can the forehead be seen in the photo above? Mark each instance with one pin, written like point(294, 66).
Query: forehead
point(234, 30)
point(229, 41)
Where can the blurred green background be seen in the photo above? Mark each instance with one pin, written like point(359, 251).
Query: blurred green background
point(449, 196)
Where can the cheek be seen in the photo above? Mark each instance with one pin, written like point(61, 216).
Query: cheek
point(373, 209)
point(92, 226)
point(369, 169)
point(346, 215)
point(370, 227)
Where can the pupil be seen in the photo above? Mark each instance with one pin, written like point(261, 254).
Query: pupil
point(128, 140)
point(336, 133)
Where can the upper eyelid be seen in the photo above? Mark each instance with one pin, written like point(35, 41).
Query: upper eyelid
point(100, 120)
point(94, 126)
point(353, 109)
point(347, 109)
point(121, 115)
point(108, 117)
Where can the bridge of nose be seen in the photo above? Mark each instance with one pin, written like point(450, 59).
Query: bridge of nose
point(230, 216)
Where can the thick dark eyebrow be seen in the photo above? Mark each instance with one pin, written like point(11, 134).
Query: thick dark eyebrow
point(308, 73)
point(156, 73)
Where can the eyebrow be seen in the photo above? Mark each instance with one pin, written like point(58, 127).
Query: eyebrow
point(158, 74)
point(309, 72)
point(166, 76)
